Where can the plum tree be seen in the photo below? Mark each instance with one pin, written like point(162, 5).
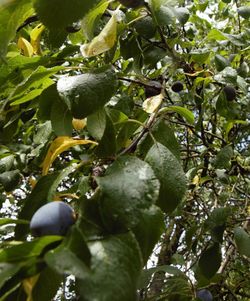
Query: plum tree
point(204, 295)
point(132, 3)
point(229, 92)
point(139, 111)
point(177, 86)
point(54, 218)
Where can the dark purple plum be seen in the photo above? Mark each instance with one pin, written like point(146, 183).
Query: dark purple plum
point(204, 295)
point(54, 218)
point(230, 93)
point(177, 86)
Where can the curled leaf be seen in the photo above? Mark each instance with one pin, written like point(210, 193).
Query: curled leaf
point(25, 47)
point(103, 42)
point(59, 145)
point(151, 104)
point(35, 37)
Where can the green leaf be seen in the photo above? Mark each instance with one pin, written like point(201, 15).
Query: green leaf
point(12, 14)
point(46, 101)
point(33, 85)
point(90, 20)
point(27, 250)
point(53, 189)
point(61, 118)
point(210, 261)
point(128, 187)
point(163, 134)
point(117, 117)
point(230, 124)
point(221, 62)
point(116, 265)
point(146, 274)
point(101, 127)
point(200, 56)
point(178, 287)
point(45, 288)
point(107, 144)
point(149, 230)
point(170, 173)
point(6, 163)
point(58, 14)
point(163, 11)
point(216, 223)
point(242, 239)
point(87, 93)
point(44, 132)
point(71, 257)
point(227, 76)
point(128, 129)
point(7, 271)
point(184, 112)
point(10, 179)
point(96, 124)
point(244, 12)
point(217, 35)
point(223, 158)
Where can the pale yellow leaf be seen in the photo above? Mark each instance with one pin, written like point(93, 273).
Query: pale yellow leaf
point(79, 124)
point(59, 145)
point(28, 285)
point(151, 104)
point(25, 47)
point(104, 41)
point(35, 37)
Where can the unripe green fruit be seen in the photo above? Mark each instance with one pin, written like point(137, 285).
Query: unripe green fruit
point(221, 62)
point(177, 86)
point(54, 218)
point(132, 3)
point(145, 27)
point(230, 93)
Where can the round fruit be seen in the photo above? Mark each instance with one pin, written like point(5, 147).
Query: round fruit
point(152, 88)
point(132, 3)
point(230, 93)
point(204, 295)
point(54, 218)
point(177, 86)
point(145, 27)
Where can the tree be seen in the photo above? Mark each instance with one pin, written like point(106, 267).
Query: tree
point(137, 116)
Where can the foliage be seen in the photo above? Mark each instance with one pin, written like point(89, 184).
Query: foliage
point(122, 112)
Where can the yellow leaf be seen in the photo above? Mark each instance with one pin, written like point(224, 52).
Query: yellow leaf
point(59, 145)
point(25, 47)
point(35, 37)
point(28, 285)
point(151, 104)
point(196, 180)
point(104, 41)
point(79, 124)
